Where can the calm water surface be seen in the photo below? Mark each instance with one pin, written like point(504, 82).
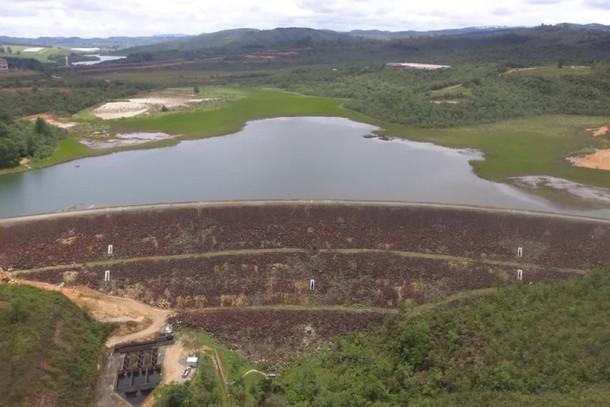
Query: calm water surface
point(100, 59)
point(283, 158)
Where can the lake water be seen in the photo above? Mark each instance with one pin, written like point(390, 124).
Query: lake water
point(100, 59)
point(283, 158)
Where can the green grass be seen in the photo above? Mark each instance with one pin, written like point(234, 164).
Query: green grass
point(67, 149)
point(49, 349)
point(531, 146)
point(256, 104)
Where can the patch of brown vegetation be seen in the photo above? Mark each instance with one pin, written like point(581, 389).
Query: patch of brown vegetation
point(276, 336)
point(602, 131)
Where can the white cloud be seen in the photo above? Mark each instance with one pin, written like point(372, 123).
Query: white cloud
point(146, 17)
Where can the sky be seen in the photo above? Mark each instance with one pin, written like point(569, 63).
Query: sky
point(103, 18)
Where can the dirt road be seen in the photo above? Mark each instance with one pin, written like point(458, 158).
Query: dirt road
point(145, 320)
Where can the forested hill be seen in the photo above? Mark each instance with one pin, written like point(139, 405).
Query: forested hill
point(519, 46)
point(249, 38)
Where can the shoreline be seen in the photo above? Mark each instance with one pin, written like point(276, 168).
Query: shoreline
point(288, 203)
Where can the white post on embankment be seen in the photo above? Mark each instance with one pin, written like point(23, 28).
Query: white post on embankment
point(519, 251)
point(110, 250)
point(107, 275)
point(520, 275)
point(312, 284)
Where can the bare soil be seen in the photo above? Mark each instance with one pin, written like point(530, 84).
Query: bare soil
point(600, 159)
point(602, 131)
point(143, 320)
point(138, 106)
point(53, 120)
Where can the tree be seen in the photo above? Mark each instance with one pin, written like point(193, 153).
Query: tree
point(42, 127)
point(196, 90)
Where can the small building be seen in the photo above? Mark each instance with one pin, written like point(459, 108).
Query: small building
point(192, 361)
point(3, 64)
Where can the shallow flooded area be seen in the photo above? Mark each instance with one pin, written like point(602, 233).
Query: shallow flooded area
point(282, 158)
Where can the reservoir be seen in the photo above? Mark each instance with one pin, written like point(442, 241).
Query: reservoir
point(281, 158)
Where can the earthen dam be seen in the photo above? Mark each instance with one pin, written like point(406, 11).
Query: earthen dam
point(327, 266)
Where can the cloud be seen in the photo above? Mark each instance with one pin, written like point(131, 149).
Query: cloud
point(147, 17)
point(600, 4)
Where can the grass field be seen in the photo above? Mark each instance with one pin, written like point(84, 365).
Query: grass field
point(49, 349)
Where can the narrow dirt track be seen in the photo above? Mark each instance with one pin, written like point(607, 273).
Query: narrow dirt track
point(110, 309)
point(289, 250)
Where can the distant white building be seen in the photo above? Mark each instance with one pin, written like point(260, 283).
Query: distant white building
point(3, 64)
point(413, 65)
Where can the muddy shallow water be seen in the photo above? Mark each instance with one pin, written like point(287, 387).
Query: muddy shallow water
point(282, 158)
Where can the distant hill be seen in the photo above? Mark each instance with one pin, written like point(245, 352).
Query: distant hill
point(77, 42)
point(392, 35)
point(570, 43)
point(249, 38)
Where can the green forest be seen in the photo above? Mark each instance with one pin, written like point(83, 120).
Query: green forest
point(24, 139)
point(466, 94)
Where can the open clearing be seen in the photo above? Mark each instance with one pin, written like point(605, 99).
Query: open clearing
point(600, 160)
point(154, 102)
point(52, 120)
point(145, 320)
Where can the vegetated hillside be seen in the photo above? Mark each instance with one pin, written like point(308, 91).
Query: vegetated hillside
point(49, 349)
point(392, 35)
point(465, 94)
point(246, 39)
point(543, 345)
point(518, 46)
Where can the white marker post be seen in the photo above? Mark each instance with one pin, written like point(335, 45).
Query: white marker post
point(520, 275)
point(519, 251)
point(110, 250)
point(107, 275)
point(312, 284)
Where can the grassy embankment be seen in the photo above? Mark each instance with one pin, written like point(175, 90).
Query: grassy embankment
point(49, 349)
point(528, 146)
